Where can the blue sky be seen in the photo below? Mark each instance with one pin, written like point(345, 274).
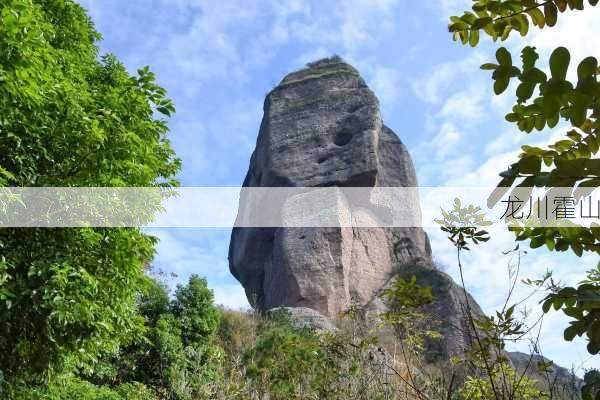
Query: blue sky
point(218, 59)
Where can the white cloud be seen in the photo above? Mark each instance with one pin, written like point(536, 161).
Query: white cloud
point(231, 296)
point(452, 7)
point(485, 270)
point(220, 45)
point(432, 86)
point(509, 139)
point(182, 257)
point(202, 252)
point(386, 83)
point(466, 105)
point(446, 140)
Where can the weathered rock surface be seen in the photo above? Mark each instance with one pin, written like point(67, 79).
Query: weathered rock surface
point(446, 315)
point(322, 127)
point(560, 379)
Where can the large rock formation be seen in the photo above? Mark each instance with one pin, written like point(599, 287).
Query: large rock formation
point(322, 127)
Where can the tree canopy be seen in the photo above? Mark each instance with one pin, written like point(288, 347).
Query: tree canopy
point(69, 117)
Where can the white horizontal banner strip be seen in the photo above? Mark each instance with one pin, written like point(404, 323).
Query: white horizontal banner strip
point(226, 207)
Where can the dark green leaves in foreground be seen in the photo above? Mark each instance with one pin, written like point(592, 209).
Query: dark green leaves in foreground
point(499, 18)
point(542, 102)
point(582, 304)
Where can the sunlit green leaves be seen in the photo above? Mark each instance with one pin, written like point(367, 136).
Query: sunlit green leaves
point(502, 72)
point(498, 18)
point(582, 305)
point(542, 102)
point(463, 225)
point(587, 68)
point(71, 118)
point(551, 12)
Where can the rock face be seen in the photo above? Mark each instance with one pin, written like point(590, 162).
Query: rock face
point(563, 381)
point(322, 127)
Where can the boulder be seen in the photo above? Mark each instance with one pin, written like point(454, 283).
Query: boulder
point(322, 127)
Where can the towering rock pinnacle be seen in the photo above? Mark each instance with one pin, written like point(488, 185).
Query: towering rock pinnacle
point(322, 127)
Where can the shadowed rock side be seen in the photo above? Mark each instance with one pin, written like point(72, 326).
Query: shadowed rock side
point(322, 127)
point(446, 315)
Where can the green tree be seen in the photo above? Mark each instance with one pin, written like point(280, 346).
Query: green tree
point(71, 118)
point(571, 162)
point(194, 309)
point(154, 301)
point(287, 361)
point(162, 357)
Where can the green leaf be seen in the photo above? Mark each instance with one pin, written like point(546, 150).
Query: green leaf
point(575, 4)
point(530, 165)
point(520, 23)
point(489, 66)
point(537, 17)
point(547, 305)
point(551, 13)
point(533, 75)
point(561, 4)
point(529, 57)
point(458, 26)
point(587, 68)
point(559, 63)
point(474, 38)
point(525, 91)
point(593, 347)
point(536, 242)
point(501, 84)
point(578, 113)
point(481, 22)
point(503, 56)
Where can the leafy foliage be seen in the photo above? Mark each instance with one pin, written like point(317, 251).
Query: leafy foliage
point(70, 118)
point(499, 18)
point(193, 307)
point(522, 388)
point(568, 162)
point(542, 101)
point(71, 388)
point(288, 360)
point(463, 225)
point(591, 387)
point(492, 375)
point(164, 358)
point(404, 298)
point(583, 305)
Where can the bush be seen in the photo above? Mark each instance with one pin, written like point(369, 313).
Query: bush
point(194, 309)
point(72, 388)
